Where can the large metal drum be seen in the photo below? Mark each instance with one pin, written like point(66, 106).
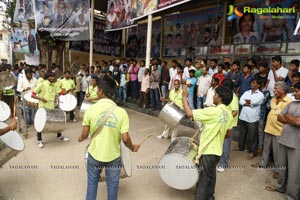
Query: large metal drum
point(84, 106)
point(7, 80)
point(176, 167)
point(50, 120)
point(171, 115)
point(29, 100)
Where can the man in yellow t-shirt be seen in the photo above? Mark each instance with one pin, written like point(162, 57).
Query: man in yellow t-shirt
point(274, 127)
point(45, 93)
point(234, 109)
point(217, 122)
point(104, 148)
point(175, 96)
point(92, 91)
point(69, 86)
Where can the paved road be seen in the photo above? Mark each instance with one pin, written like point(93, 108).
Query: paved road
point(37, 174)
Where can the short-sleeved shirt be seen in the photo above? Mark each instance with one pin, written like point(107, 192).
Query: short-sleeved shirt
point(48, 91)
point(105, 146)
point(176, 97)
point(67, 84)
point(93, 91)
point(217, 120)
point(234, 106)
point(193, 82)
point(281, 72)
point(40, 80)
point(198, 73)
point(273, 126)
point(290, 136)
point(203, 85)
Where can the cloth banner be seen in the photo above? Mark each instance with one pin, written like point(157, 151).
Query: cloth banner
point(118, 14)
point(24, 10)
point(64, 20)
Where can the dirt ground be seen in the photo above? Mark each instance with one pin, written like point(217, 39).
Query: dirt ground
point(58, 170)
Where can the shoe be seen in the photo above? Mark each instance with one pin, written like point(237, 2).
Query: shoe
point(74, 120)
point(40, 144)
point(62, 139)
point(250, 156)
point(259, 150)
point(220, 169)
point(161, 137)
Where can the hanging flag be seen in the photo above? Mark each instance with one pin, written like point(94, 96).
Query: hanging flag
point(61, 19)
point(24, 10)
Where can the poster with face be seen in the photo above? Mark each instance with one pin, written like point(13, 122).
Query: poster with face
point(192, 29)
point(260, 22)
point(118, 14)
point(141, 8)
point(133, 44)
point(63, 19)
point(24, 10)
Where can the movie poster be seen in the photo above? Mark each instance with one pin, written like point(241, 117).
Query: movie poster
point(256, 27)
point(133, 44)
point(24, 44)
point(118, 14)
point(141, 8)
point(105, 43)
point(155, 39)
point(62, 19)
point(24, 10)
point(184, 32)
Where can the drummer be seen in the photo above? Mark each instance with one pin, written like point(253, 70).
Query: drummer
point(68, 85)
point(217, 123)
point(104, 149)
point(27, 84)
point(175, 96)
point(92, 92)
point(46, 93)
point(12, 126)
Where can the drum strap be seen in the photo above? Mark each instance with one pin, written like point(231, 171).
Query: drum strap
point(98, 130)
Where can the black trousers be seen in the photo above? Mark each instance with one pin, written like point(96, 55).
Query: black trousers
point(205, 187)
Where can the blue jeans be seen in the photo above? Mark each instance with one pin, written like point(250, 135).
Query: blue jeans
point(200, 102)
point(29, 113)
point(164, 92)
point(191, 101)
point(123, 90)
point(134, 89)
point(112, 173)
point(226, 149)
point(154, 98)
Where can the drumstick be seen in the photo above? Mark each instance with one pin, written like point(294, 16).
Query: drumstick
point(14, 111)
point(159, 92)
point(145, 138)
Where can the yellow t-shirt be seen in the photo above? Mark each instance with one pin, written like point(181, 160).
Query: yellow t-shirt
point(273, 126)
point(105, 146)
point(67, 84)
point(176, 99)
point(234, 106)
point(40, 80)
point(93, 92)
point(48, 91)
point(216, 120)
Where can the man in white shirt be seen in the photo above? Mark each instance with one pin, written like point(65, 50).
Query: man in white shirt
point(188, 67)
point(277, 73)
point(27, 84)
point(85, 83)
point(213, 67)
point(173, 69)
point(249, 118)
point(203, 85)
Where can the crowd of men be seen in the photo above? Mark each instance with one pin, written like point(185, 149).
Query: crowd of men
point(264, 104)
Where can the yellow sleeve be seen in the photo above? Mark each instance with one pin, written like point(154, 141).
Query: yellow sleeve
point(124, 128)
point(38, 88)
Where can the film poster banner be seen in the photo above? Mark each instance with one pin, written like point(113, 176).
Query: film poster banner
point(141, 8)
point(133, 44)
point(105, 43)
point(118, 14)
point(184, 32)
point(24, 43)
point(24, 10)
point(63, 19)
point(155, 39)
point(259, 22)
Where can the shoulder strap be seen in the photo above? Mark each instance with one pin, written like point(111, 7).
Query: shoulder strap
point(98, 130)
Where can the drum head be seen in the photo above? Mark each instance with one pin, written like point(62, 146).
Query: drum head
point(28, 97)
point(12, 139)
point(7, 80)
point(5, 111)
point(126, 159)
point(40, 119)
point(67, 102)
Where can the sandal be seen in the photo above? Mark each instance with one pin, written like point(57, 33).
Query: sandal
point(271, 188)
